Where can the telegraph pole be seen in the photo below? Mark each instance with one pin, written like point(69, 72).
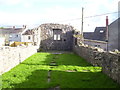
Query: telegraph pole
point(82, 25)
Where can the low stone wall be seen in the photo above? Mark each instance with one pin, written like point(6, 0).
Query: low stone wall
point(110, 62)
point(12, 56)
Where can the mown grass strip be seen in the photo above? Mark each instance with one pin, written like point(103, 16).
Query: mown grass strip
point(70, 71)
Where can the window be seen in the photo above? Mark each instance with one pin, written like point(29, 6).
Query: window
point(64, 39)
point(10, 36)
point(101, 31)
point(97, 45)
point(29, 37)
point(58, 37)
point(57, 34)
point(16, 35)
point(55, 37)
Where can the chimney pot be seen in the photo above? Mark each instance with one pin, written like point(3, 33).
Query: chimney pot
point(106, 21)
point(25, 26)
point(14, 27)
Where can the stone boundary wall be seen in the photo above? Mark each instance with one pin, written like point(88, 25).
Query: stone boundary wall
point(102, 44)
point(12, 56)
point(109, 61)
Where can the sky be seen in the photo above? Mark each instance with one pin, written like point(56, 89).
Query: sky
point(36, 12)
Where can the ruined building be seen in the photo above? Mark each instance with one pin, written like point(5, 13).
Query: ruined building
point(56, 37)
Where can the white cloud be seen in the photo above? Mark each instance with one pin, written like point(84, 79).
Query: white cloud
point(10, 2)
point(61, 13)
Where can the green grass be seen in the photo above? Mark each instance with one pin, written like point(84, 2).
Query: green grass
point(70, 71)
point(0, 82)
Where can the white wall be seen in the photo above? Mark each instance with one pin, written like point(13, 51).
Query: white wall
point(37, 38)
point(24, 38)
point(2, 41)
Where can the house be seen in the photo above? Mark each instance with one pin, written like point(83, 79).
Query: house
point(27, 36)
point(96, 38)
point(32, 35)
point(114, 35)
point(56, 37)
point(99, 34)
point(88, 35)
point(21, 35)
point(12, 34)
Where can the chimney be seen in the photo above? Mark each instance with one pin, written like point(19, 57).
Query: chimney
point(107, 28)
point(106, 21)
point(13, 27)
point(107, 33)
point(24, 26)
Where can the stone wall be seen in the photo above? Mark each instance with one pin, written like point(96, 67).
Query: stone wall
point(12, 56)
point(109, 61)
point(50, 32)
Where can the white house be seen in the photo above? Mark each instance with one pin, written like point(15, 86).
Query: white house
point(12, 34)
point(16, 34)
point(20, 35)
point(2, 41)
point(32, 35)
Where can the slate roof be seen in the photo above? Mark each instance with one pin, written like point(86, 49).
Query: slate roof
point(28, 32)
point(11, 30)
point(88, 35)
point(99, 34)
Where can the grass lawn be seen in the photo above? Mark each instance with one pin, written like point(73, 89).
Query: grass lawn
point(67, 71)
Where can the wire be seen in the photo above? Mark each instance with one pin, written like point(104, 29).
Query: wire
point(100, 15)
point(89, 16)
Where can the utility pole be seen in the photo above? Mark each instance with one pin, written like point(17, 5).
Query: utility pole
point(82, 25)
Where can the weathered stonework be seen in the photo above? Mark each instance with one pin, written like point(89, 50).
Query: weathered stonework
point(110, 62)
point(47, 37)
point(12, 56)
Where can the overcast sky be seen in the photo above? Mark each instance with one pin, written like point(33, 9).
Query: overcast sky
point(36, 12)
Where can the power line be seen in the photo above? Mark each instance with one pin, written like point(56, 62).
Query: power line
point(90, 16)
point(100, 15)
